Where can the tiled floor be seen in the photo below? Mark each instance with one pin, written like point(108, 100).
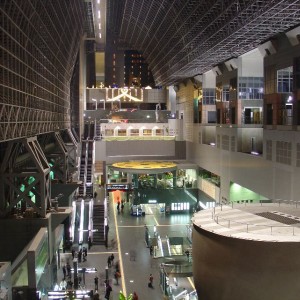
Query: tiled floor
point(128, 232)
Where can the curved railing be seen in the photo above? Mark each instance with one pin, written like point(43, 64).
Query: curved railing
point(266, 229)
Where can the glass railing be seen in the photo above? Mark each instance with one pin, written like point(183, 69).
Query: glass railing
point(139, 138)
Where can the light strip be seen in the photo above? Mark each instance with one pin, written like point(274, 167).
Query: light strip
point(168, 243)
point(72, 229)
point(120, 256)
point(81, 221)
point(191, 282)
point(160, 245)
point(91, 205)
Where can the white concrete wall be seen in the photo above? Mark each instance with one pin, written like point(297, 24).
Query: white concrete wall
point(251, 64)
point(267, 178)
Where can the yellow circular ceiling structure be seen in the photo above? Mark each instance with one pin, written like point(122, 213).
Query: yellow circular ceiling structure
point(144, 167)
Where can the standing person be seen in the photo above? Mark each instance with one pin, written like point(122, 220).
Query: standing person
point(79, 255)
point(96, 282)
point(151, 250)
point(107, 291)
point(64, 271)
point(122, 206)
point(150, 284)
point(68, 267)
point(118, 207)
point(117, 276)
point(84, 252)
point(117, 266)
point(109, 261)
point(89, 243)
point(112, 257)
point(135, 296)
point(73, 253)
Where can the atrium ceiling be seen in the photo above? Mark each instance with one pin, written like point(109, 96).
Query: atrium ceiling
point(184, 38)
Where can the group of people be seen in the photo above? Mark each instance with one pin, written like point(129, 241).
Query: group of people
point(66, 282)
point(81, 254)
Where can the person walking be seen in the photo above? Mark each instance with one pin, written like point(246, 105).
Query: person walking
point(151, 250)
point(84, 254)
point(96, 282)
point(135, 296)
point(68, 267)
point(118, 207)
point(117, 276)
point(109, 261)
point(107, 291)
point(112, 257)
point(64, 271)
point(150, 284)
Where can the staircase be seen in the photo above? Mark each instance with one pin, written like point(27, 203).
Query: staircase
point(98, 224)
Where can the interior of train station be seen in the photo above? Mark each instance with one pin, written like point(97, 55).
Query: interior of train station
point(150, 149)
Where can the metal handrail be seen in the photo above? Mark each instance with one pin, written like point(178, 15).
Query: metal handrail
point(229, 223)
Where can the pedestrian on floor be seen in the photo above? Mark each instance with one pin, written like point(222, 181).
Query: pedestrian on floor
point(96, 282)
point(84, 253)
point(118, 207)
point(95, 195)
point(68, 267)
point(135, 296)
point(117, 266)
point(89, 242)
point(151, 250)
point(112, 257)
point(79, 255)
point(107, 291)
point(109, 261)
point(122, 207)
point(150, 283)
point(73, 253)
point(64, 271)
point(187, 253)
point(117, 276)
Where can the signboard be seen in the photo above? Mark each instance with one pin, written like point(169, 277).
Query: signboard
point(113, 187)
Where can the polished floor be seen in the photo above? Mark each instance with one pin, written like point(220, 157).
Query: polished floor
point(127, 242)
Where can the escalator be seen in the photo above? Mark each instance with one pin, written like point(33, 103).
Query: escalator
point(165, 246)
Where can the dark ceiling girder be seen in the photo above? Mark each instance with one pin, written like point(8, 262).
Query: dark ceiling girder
point(182, 38)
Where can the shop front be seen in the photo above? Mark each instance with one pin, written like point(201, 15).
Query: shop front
point(154, 186)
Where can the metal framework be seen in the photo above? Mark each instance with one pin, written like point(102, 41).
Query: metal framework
point(25, 173)
point(39, 44)
point(183, 38)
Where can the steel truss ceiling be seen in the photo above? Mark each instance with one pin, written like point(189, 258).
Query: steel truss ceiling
point(39, 44)
point(182, 38)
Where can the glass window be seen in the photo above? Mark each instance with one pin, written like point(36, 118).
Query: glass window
point(251, 88)
point(147, 132)
point(134, 132)
point(285, 80)
point(121, 132)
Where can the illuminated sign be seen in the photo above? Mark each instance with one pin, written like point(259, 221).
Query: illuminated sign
point(152, 201)
point(110, 187)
